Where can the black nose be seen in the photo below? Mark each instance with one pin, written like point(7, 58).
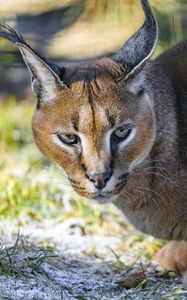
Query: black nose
point(100, 179)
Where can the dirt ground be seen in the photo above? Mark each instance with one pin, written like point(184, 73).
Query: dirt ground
point(54, 261)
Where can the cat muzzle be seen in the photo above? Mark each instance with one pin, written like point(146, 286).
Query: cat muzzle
point(100, 179)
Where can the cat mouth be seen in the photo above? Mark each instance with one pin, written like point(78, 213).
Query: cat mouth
point(101, 196)
point(108, 196)
point(111, 196)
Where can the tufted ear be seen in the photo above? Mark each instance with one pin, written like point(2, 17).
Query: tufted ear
point(138, 49)
point(45, 75)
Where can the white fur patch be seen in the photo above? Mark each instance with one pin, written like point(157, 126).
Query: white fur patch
point(39, 68)
point(84, 144)
point(107, 138)
point(128, 139)
point(60, 144)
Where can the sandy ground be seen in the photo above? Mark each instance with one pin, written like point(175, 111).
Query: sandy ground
point(54, 261)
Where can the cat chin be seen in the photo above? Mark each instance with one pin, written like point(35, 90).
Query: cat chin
point(103, 199)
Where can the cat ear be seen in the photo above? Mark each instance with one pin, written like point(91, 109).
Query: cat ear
point(44, 74)
point(138, 49)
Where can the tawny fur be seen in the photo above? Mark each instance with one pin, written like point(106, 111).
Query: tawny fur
point(148, 175)
point(173, 257)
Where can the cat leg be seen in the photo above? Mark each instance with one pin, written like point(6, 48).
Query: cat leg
point(174, 257)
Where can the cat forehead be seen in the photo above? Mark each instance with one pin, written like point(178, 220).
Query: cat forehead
point(95, 98)
point(104, 70)
point(85, 114)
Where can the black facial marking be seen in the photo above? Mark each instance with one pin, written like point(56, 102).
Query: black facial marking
point(111, 118)
point(75, 121)
point(140, 92)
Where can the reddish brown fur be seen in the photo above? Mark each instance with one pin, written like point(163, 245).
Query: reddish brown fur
point(173, 257)
point(152, 206)
point(145, 173)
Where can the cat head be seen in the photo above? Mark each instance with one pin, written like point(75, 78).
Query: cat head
point(95, 120)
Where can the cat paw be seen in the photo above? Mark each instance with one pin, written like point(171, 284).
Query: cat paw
point(173, 257)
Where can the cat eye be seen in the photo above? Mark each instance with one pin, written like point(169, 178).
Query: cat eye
point(69, 139)
point(122, 132)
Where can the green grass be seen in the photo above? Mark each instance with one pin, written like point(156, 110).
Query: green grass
point(23, 259)
point(24, 172)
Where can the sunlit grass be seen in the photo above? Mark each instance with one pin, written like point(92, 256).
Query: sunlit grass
point(24, 174)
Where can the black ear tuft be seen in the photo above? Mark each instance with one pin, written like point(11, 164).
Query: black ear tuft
point(46, 79)
point(138, 49)
point(11, 35)
point(15, 37)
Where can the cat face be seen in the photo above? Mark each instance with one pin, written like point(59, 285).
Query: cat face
point(97, 130)
point(95, 120)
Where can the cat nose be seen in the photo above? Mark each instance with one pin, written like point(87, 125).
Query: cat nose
point(100, 179)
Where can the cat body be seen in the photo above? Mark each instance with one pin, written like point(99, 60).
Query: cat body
point(159, 185)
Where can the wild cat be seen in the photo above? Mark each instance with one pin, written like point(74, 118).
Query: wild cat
point(118, 128)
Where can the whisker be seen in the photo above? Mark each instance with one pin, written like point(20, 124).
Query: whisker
point(144, 163)
point(162, 176)
point(150, 190)
point(156, 167)
point(140, 189)
point(129, 197)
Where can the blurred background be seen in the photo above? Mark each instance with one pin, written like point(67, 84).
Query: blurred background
point(36, 202)
point(73, 30)
point(66, 31)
